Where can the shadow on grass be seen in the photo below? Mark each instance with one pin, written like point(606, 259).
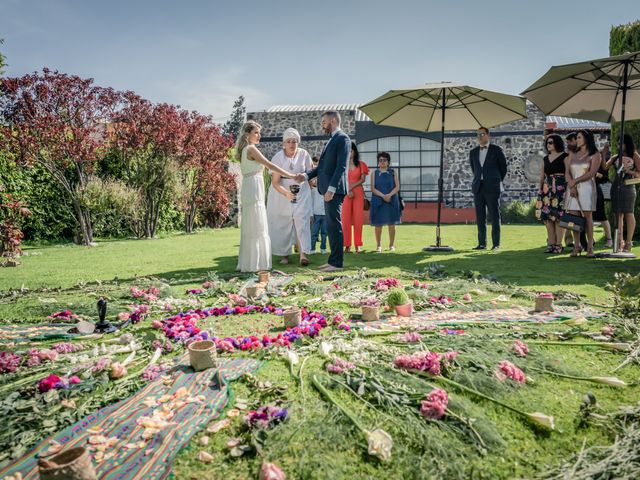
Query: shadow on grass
point(521, 267)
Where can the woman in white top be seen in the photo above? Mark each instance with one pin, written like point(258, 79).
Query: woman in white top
point(255, 245)
point(289, 215)
point(582, 166)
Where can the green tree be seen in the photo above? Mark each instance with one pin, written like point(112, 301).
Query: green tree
point(238, 114)
point(626, 38)
point(3, 59)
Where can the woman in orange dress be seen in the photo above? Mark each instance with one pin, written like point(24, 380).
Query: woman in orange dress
point(353, 206)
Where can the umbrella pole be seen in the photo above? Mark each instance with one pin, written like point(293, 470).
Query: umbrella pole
point(618, 231)
point(440, 182)
point(438, 247)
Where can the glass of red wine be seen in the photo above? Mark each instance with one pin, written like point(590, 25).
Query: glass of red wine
point(295, 188)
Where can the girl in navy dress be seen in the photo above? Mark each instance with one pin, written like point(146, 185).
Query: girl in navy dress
point(385, 205)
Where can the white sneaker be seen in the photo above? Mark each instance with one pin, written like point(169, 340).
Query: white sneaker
point(312, 252)
point(323, 251)
point(379, 250)
point(392, 249)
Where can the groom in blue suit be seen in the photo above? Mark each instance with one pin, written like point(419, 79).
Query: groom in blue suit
point(332, 184)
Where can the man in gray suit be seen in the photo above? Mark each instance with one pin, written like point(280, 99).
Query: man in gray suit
point(332, 184)
point(489, 167)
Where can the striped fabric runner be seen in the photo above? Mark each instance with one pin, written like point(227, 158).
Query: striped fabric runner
point(154, 460)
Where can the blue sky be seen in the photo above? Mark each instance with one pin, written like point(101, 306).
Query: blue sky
point(203, 54)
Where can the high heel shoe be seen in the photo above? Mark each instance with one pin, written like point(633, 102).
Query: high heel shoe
point(576, 252)
point(627, 246)
point(590, 254)
point(558, 248)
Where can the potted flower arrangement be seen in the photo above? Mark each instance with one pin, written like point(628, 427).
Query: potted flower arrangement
point(399, 300)
point(370, 309)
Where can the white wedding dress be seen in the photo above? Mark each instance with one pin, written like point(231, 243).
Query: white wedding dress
point(255, 244)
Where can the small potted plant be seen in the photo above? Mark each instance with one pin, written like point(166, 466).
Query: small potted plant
point(370, 309)
point(399, 300)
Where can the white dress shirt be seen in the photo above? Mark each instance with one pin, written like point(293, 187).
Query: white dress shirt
point(483, 154)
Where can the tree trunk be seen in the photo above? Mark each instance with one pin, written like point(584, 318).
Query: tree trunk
point(84, 223)
point(190, 215)
point(190, 218)
point(81, 215)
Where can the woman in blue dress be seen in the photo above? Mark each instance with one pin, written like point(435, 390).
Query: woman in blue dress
point(385, 205)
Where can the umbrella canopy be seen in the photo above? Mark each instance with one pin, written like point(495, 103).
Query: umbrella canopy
point(444, 106)
point(467, 108)
point(593, 90)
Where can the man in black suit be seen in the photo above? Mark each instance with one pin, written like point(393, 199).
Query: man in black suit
point(489, 167)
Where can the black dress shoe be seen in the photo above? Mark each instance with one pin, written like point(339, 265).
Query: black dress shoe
point(480, 247)
point(495, 247)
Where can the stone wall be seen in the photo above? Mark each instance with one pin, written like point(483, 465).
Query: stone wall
point(524, 151)
point(307, 123)
point(524, 159)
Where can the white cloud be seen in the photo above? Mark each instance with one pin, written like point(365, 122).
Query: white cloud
point(215, 93)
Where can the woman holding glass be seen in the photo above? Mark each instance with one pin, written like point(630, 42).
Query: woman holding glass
point(289, 204)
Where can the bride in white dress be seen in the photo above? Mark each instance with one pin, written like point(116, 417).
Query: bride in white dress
point(255, 245)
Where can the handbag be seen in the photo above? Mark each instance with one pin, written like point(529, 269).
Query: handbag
point(367, 204)
point(572, 222)
point(606, 190)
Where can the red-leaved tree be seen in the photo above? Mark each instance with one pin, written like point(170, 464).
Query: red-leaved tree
point(206, 181)
point(149, 139)
point(58, 121)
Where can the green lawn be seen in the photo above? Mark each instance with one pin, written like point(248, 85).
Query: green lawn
point(190, 257)
point(317, 441)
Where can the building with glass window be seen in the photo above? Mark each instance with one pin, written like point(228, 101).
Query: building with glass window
point(416, 155)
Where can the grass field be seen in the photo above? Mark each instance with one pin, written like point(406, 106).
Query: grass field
point(190, 257)
point(317, 442)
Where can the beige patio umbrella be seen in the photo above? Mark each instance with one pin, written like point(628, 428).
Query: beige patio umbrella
point(444, 106)
point(604, 89)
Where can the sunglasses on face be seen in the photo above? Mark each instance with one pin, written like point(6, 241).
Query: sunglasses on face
point(549, 143)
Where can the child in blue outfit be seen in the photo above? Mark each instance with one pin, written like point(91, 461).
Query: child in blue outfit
point(319, 225)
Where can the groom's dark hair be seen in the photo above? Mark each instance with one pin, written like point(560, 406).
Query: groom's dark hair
point(332, 114)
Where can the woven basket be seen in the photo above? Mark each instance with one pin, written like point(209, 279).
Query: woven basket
point(292, 317)
point(544, 304)
point(370, 314)
point(263, 276)
point(203, 355)
point(72, 464)
point(253, 292)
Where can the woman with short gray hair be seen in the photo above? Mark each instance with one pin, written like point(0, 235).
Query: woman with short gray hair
point(290, 213)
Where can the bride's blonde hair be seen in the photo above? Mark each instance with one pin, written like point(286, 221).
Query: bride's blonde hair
point(242, 142)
